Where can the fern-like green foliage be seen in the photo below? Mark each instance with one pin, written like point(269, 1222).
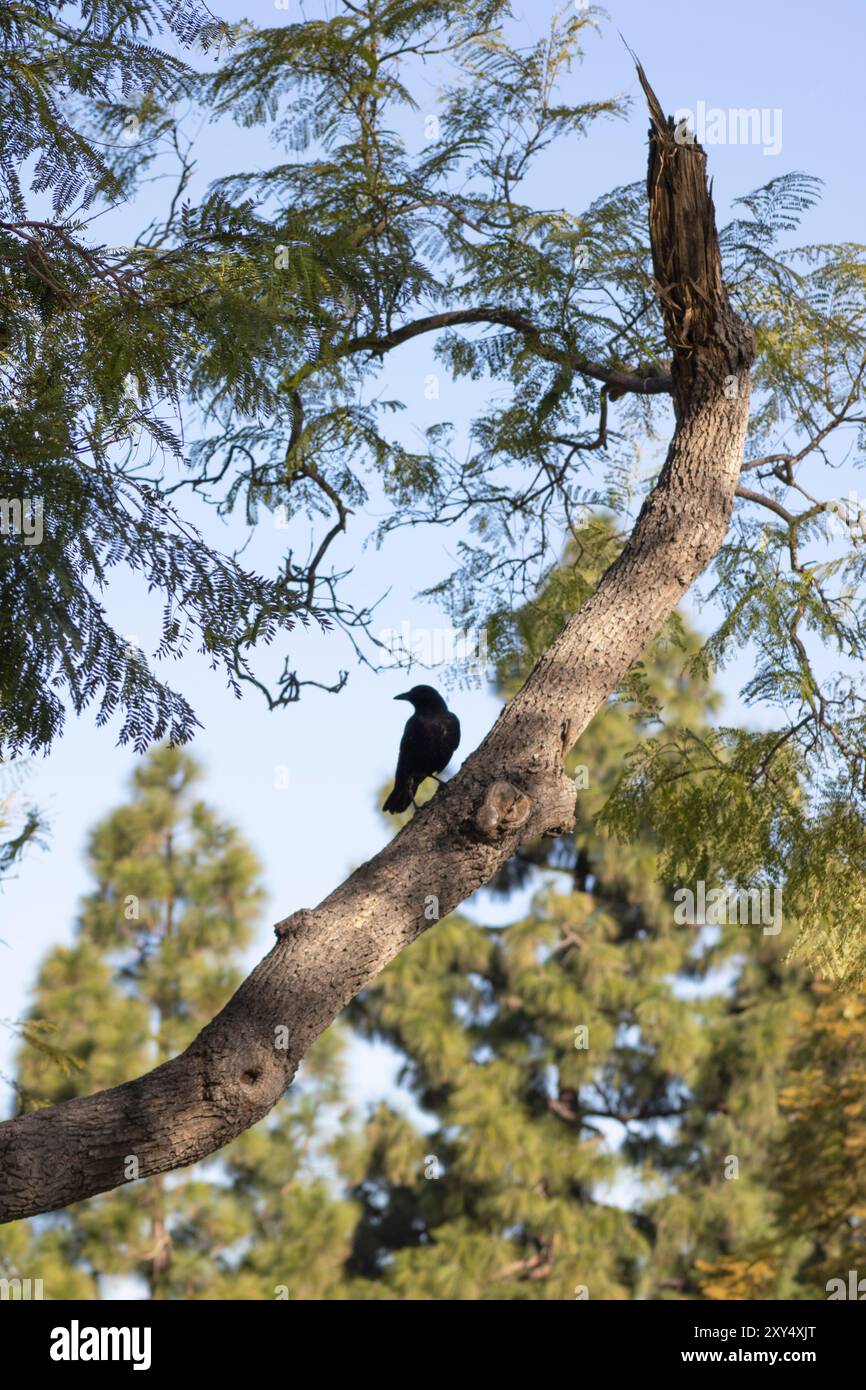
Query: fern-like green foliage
point(96, 344)
point(420, 207)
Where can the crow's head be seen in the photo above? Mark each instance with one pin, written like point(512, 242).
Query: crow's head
point(425, 699)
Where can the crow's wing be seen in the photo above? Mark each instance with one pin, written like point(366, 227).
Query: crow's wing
point(410, 759)
point(407, 778)
point(427, 746)
point(439, 737)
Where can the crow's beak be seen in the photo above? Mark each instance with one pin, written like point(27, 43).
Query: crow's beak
point(407, 696)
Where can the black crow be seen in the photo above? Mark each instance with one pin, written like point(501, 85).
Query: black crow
point(431, 735)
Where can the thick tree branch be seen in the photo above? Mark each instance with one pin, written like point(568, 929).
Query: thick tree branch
point(511, 789)
point(762, 500)
point(623, 382)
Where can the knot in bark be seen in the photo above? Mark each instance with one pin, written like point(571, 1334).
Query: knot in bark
point(504, 807)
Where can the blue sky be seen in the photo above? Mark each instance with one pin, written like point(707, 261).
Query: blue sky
point(803, 61)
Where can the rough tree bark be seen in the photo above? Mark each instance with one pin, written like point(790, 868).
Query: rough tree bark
point(511, 789)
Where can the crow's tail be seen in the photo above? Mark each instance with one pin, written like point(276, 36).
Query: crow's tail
point(400, 798)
